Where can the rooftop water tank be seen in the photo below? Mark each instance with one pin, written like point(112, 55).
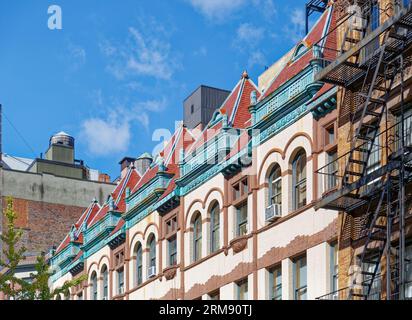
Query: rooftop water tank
point(62, 138)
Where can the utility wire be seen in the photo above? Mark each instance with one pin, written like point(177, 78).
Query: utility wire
point(19, 134)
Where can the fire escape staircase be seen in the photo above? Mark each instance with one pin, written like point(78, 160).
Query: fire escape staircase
point(369, 78)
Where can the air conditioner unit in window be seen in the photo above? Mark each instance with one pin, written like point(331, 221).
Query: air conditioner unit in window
point(151, 272)
point(273, 212)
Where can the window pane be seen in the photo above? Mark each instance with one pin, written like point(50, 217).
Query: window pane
point(105, 284)
point(275, 284)
point(172, 251)
point(245, 187)
point(214, 229)
point(197, 238)
point(334, 267)
point(120, 280)
point(408, 276)
point(214, 296)
point(139, 265)
point(300, 279)
point(275, 187)
point(299, 181)
point(332, 170)
point(152, 252)
point(242, 220)
point(375, 292)
point(243, 290)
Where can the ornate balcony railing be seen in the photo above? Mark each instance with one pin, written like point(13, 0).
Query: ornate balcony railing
point(284, 96)
point(211, 152)
point(109, 222)
point(68, 253)
point(159, 184)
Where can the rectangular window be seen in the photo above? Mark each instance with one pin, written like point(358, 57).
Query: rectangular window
point(300, 279)
point(245, 187)
point(373, 25)
point(374, 160)
point(407, 129)
point(120, 281)
point(276, 190)
point(172, 251)
point(334, 267)
point(105, 285)
point(408, 275)
point(240, 190)
point(214, 295)
point(275, 283)
point(214, 231)
point(119, 259)
point(332, 181)
point(375, 292)
point(330, 135)
point(242, 289)
point(236, 192)
point(171, 225)
point(241, 217)
point(95, 291)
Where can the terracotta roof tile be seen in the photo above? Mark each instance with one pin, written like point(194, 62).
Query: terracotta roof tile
point(295, 66)
point(242, 115)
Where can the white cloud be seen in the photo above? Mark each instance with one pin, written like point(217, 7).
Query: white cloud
point(266, 7)
point(145, 53)
point(152, 105)
point(151, 56)
point(76, 56)
point(257, 58)
point(296, 29)
point(112, 133)
point(201, 52)
point(107, 49)
point(248, 35)
point(144, 120)
point(216, 9)
point(106, 136)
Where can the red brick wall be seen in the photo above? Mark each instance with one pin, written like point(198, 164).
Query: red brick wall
point(44, 224)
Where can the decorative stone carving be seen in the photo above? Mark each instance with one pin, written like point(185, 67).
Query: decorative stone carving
point(170, 272)
point(239, 244)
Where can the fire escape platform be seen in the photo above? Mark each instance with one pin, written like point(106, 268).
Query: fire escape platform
point(342, 72)
point(343, 199)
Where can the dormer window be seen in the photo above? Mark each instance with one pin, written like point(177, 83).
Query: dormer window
point(300, 51)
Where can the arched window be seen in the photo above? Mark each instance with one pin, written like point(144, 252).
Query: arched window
point(93, 293)
point(152, 256)
point(299, 180)
point(197, 237)
point(58, 297)
point(139, 264)
point(214, 228)
point(105, 277)
point(275, 186)
point(67, 295)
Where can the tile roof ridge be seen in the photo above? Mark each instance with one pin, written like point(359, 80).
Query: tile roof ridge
point(238, 98)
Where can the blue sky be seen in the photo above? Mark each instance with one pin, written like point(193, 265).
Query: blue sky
point(120, 69)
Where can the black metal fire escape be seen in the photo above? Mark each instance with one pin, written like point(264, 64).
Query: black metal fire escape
point(370, 67)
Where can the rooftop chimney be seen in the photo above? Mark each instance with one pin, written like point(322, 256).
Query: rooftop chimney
point(143, 163)
point(124, 165)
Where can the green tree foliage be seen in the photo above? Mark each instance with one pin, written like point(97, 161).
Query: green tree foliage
point(37, 288)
